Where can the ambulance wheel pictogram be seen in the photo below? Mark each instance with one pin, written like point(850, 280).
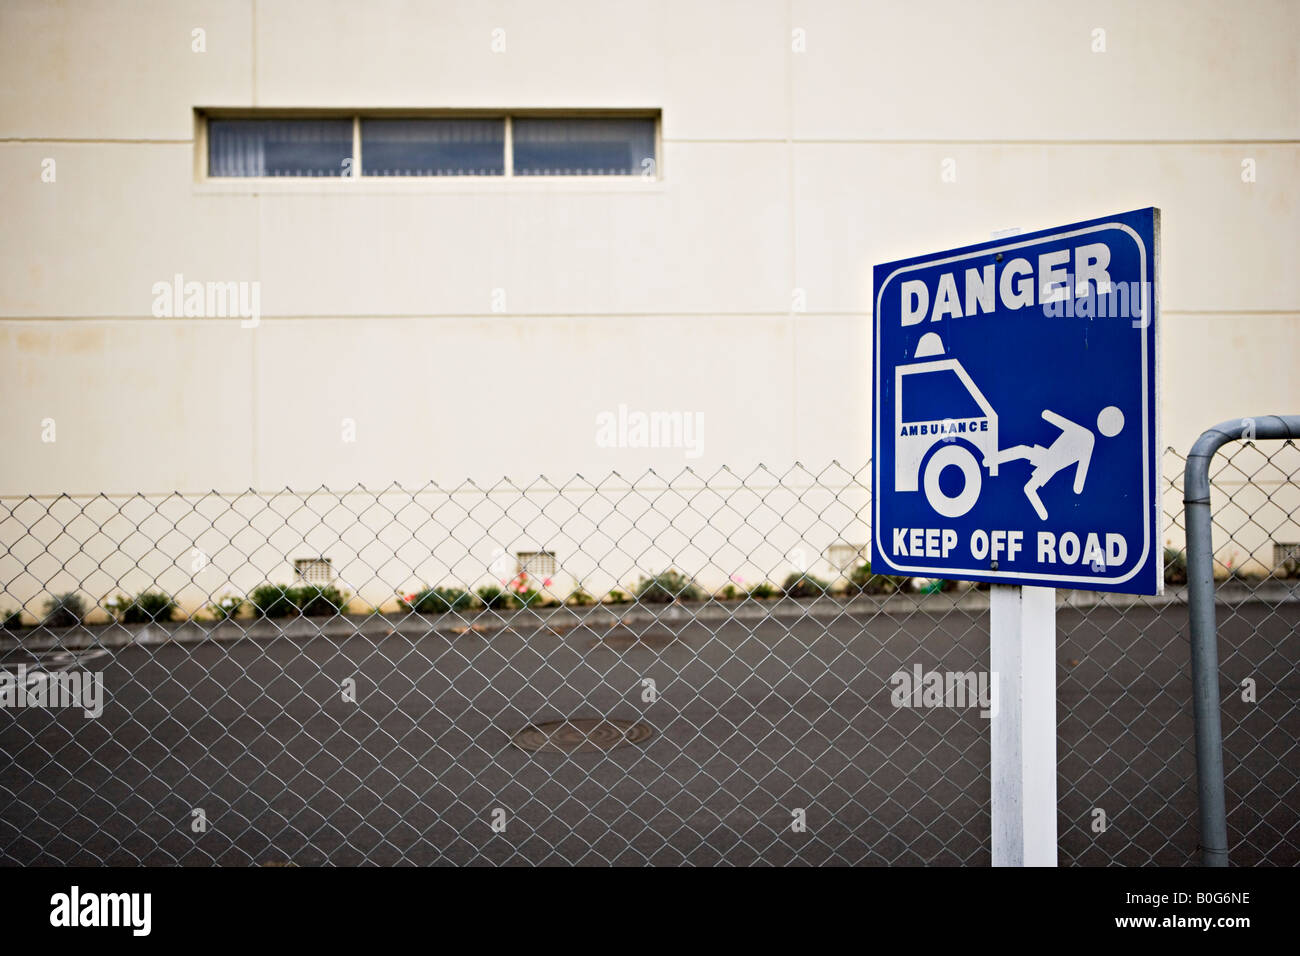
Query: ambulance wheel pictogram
point(959, 456)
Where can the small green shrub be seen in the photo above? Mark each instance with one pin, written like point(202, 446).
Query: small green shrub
point(11, 620)
point(273, 600)
point(939, 586)
point(115, 605)
point(869, 583)
point(310, 600)
point(762, 591)
point(616, 596)
point(729, 592)
point(494, 598)
point(529, 598)
point(804, 585)
point(225, 607)
point(670, 585)
point(580, 598)
point(521, 592)
point(1175, 566)
point(148, 607)
point(439, 600)
point(313, 600)
point(64, 610)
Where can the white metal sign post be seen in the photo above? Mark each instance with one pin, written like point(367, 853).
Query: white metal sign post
point(1022, 731)
point(1022, 659)
point(1015, 431)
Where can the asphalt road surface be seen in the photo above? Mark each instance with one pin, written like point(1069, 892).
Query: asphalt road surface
point(770, 742)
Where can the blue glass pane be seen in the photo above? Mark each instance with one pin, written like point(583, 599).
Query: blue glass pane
point(433, 147)
point(584, 147)
point(279, 147)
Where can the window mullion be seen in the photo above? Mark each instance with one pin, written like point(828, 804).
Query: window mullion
point(356, 147)
point(510, 148)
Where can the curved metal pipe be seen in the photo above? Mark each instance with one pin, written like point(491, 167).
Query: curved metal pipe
point(1200, 610)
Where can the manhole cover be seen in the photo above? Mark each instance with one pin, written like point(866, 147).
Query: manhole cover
point(581, 735)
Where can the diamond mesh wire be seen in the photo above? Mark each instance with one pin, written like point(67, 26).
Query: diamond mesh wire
point(701, 677)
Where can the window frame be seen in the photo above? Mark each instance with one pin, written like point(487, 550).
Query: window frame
point(508, 178)
point(525, 559)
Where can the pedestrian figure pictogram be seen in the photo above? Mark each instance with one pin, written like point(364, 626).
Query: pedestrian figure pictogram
point(1073, 448)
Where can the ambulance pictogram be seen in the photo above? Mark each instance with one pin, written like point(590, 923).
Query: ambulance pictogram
point(925, 446)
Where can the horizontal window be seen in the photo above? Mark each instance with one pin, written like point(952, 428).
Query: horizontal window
point(584, 147)
point(431, 146)
point(273, 147)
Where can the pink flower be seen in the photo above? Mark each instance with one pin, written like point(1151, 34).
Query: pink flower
point(546, 583)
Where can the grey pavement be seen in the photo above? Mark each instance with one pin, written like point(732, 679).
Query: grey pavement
point(752, 720)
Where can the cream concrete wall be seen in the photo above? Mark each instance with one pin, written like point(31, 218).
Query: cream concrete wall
point(1188, 70)
point(781, 171)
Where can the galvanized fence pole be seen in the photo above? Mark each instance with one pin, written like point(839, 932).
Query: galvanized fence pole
point(1200, 611)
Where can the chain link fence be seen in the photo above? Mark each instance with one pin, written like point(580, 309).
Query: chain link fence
point(673, 669)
